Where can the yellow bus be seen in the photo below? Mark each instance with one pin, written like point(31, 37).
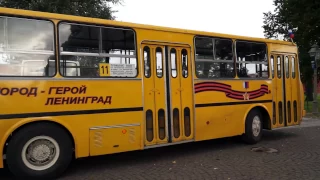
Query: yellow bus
point(73, 87)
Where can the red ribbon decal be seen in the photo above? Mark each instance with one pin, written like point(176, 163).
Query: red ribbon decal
point(239, 95)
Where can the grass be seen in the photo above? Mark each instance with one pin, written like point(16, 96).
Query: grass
point(308, 105)
point(308, 108)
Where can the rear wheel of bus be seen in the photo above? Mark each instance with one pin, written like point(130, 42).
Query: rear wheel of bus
point(253, 127)
point(41, 150)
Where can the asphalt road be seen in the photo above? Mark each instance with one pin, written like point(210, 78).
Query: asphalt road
point(295, 154)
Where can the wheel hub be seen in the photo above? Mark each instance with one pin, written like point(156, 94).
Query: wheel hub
point(256, 126)
point(40, 153)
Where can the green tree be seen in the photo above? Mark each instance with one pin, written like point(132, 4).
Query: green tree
point(303, 17)
point(88, 8)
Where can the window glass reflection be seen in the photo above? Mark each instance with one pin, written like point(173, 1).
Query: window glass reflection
point(26, 47)
point(26, 34)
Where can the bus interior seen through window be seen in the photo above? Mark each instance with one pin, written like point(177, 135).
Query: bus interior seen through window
point(91, 45)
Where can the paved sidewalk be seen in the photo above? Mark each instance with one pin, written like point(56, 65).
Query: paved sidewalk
point(298, 157)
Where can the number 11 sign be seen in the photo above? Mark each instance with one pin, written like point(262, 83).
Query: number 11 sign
point(104, 69)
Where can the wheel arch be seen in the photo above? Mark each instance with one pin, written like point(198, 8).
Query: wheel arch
point(22, 124)
point(266, 120)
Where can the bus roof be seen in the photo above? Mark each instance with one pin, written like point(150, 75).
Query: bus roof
point(55, 16)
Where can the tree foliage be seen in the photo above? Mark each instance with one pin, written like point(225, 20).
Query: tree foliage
point(88, 8)
point(303, 17)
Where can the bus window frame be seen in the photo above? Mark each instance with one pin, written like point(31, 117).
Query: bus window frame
point(55, 54)
point(212, 60)
point(253, 62)
point(101, 55)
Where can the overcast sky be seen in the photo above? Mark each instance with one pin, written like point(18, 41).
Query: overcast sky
point(239, 17)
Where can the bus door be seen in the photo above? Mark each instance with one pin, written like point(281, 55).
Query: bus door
point(293, 96)
point(168, 93)
point(285, 88)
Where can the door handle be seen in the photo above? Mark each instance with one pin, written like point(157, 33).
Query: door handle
point(155, 91)
point(151, 91)
point(180, 89)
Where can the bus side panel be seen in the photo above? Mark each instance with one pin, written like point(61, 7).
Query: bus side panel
point(221, 106)
point(81, 105)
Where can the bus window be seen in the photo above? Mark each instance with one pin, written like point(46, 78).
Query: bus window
point(119, 42)
point(147, 63)
point(184, 63)
point(26, 46)
point(272, 66)
point(293, 66)
point(81, 44)
point(173, 59)
point(252, 61)
point(286, 66)
point(2, 27)
point(159, 62)
point(214, 58)
point(279, 67)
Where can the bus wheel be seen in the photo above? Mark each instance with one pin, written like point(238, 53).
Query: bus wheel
point(253, 127)
point(40, 150)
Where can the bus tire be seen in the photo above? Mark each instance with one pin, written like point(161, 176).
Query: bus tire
point(49, 148)
point(253, 127)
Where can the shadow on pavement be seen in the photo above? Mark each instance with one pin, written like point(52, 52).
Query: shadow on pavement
point(278, 135)
point(5, 174)
point(128, 159)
